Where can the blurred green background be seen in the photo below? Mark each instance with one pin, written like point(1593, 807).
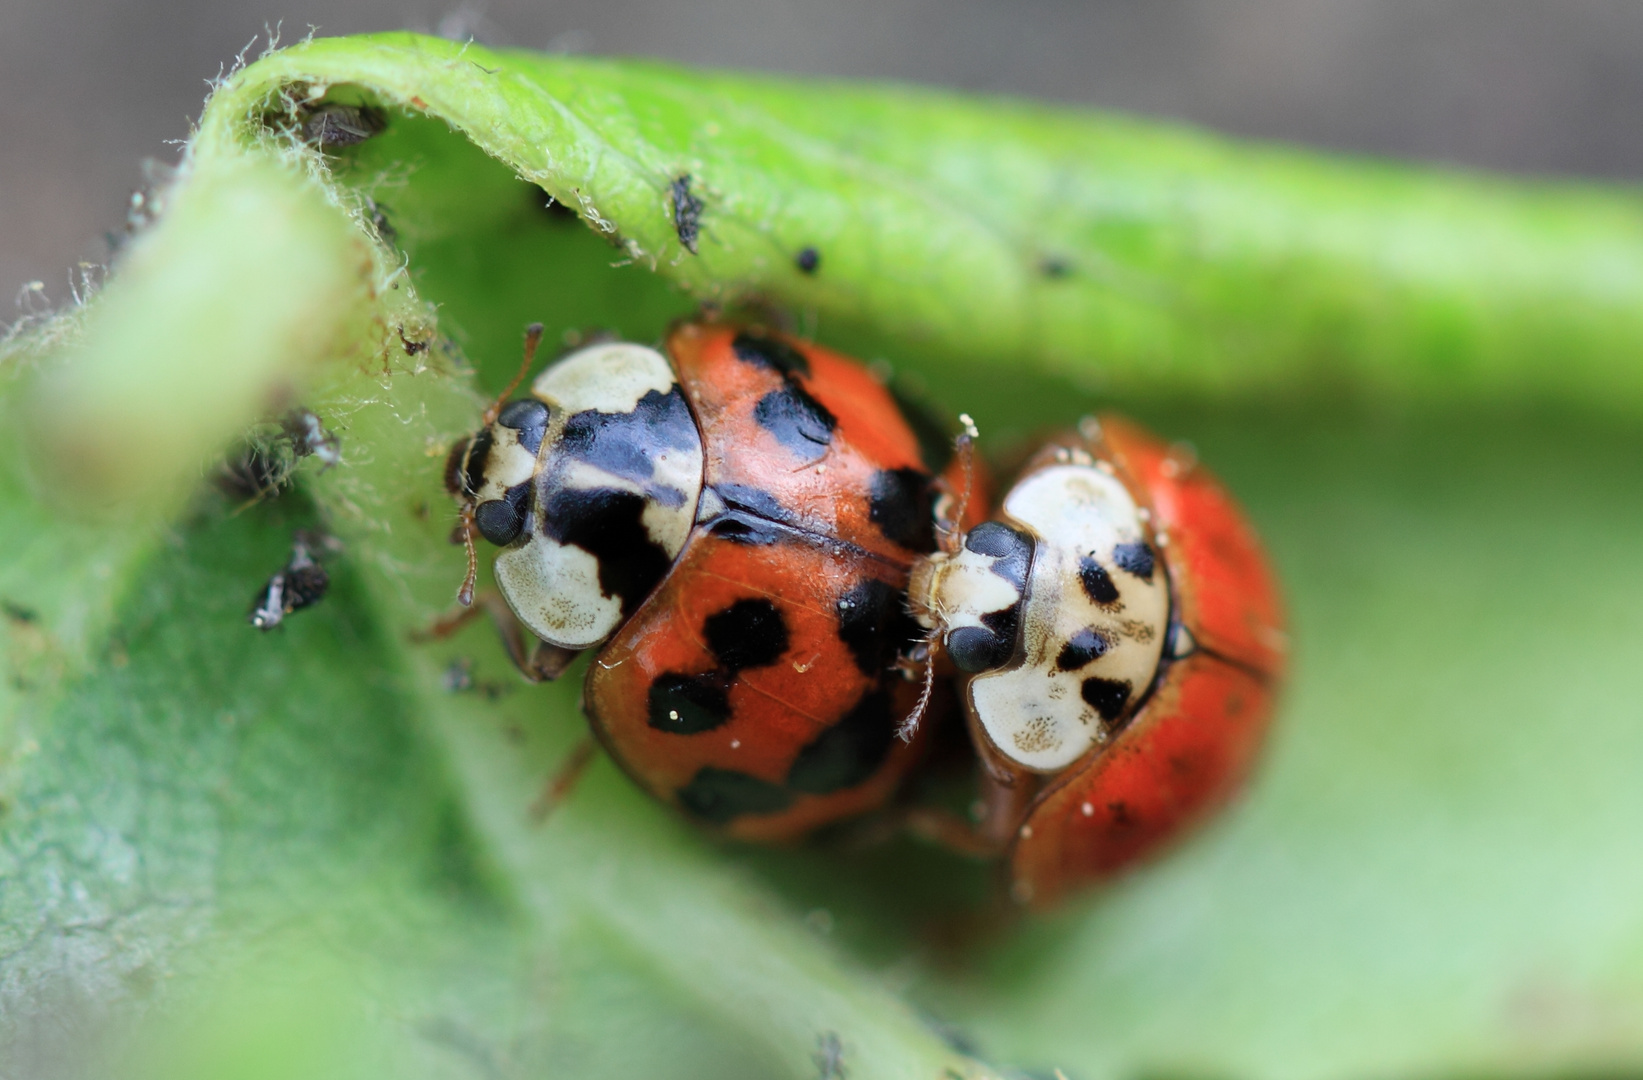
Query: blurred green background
point(88, 88)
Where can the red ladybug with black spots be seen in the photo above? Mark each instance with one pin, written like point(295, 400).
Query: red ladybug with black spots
point(1120, 642)
point(732, 525)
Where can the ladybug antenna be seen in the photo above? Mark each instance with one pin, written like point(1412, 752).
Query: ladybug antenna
point(465, 594)
point(906, 729)
point(533, 338)
point(965, 446)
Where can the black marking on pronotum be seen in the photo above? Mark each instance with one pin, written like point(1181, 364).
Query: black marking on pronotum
point(1010, 550)
point(874, 625)
point(625, 443)
point(849, 752)
point(688, 704)
point(529, 417)
point(687, 212)
point(718, 796)
point(1135, 559)
point(1097, 582)
point(748, 634)
point(607, 524)
point(797, 420)
point(1083, 647)
point(502, 520)
point(1106, 696)
point(808, 260)
point(333, 125)
point(768, 352)
point(899, 504)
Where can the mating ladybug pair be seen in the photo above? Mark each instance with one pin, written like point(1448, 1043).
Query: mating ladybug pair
point(746, 530)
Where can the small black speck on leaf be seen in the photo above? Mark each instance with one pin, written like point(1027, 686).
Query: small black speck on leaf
point(1054, 267)
point(808, 260)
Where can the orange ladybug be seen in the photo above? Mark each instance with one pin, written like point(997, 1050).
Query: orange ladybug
point(732, 525)
point(1120, 639)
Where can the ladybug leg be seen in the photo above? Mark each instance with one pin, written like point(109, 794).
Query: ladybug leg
point(995, 817)
point(564, 779)
point(544, 663)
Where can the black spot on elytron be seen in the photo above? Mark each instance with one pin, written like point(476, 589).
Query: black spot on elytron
point(1106, 696)
point(976, 648)
point(1010, 550)
point(688, 704)
point(899, 504)
point(754, 501)
point(626, 443)
point(502, 520)
point(530, 418)
point(687, 213)
point(1005, 622)
point(1097, 582)
point(1135, 559)
point(849, 752)
point(808, 260)
point(470, 473)
point(799, 422)
point(1086, 645)
point(772, 353)
point(749, 633)
point(719, 796)
point(874, 625)
point(606, 523)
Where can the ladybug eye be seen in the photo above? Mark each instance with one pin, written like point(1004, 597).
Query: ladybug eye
point(975, 648)
point(502, 520)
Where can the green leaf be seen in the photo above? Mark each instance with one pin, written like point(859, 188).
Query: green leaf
point(313, 852)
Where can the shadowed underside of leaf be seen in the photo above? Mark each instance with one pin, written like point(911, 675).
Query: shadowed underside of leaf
point(318, 843)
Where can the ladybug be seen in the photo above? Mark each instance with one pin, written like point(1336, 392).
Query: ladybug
point(1120, 641)
point(732, 525)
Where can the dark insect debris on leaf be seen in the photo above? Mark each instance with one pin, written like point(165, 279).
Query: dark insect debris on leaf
point(808, 260)
point(687, 213)
point(302, 582)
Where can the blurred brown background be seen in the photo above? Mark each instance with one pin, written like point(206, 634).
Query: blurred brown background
point(88, 88)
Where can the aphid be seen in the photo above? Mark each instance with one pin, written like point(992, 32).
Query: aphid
point(731, 526)
point(302, 582)
point(1121, 641)
point(687, 212)
point(808, 260)
point(333, 125)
